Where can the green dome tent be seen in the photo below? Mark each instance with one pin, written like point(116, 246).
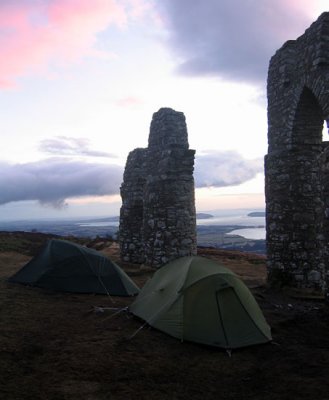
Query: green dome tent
point(196, 299)
point(69, 267)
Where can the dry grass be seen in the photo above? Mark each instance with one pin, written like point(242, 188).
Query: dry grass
point(57, 346)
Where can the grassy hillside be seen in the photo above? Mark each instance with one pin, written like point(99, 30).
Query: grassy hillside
point(56, 346)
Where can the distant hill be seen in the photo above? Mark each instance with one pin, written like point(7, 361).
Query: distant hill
point(256, 214)
point(204, 216)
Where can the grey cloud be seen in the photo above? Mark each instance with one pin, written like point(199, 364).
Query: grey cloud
point(54, 180)
point(64, 145)
point(230, 39)
point(221, 169)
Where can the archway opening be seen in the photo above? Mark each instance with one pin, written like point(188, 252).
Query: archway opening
point(308, 124)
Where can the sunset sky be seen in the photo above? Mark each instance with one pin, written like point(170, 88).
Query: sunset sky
point(80, 80)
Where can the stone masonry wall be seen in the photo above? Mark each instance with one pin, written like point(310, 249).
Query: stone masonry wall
point(296, 175)
point(157, 217)
point(132, 211)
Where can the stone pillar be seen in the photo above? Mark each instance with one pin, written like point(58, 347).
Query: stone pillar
point(294, 219)
point(325, 187)
point(169, 229)
point(163, 199)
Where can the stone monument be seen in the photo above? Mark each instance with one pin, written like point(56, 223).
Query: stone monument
point(157, 217)
point(296, 166)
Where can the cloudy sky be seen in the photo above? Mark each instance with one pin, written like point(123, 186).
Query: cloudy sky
point(80, 80)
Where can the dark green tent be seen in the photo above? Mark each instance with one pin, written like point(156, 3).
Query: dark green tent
point(196, 299)
point(69, 267)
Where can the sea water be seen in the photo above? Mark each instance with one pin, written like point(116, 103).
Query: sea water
point(250, 233)
point(254, 226)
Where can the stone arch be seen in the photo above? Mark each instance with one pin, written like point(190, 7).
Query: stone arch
point(297, 163)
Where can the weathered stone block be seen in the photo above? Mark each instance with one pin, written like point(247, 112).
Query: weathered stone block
point(314, 276)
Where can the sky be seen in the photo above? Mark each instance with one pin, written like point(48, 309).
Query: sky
point(81, 79)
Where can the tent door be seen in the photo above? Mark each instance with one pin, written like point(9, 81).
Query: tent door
point(238, 326)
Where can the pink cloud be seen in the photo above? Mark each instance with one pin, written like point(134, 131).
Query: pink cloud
point(34, 34)
point(129, 101)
